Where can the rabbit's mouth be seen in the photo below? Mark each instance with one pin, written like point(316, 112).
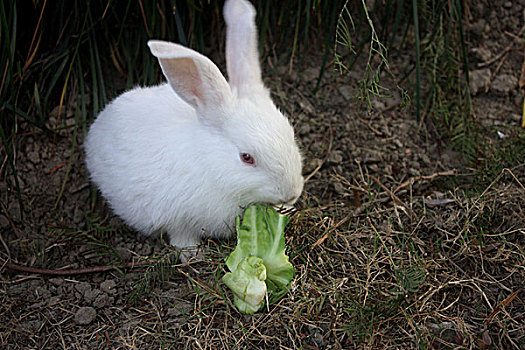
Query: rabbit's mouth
point(285, 209)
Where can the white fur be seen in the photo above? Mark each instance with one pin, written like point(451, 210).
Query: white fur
point(167, 157)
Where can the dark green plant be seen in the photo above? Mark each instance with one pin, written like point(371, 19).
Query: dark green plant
point(347, 48)
point(58, 53)
point(435, 31)
point(438, 45)
point(162, 268)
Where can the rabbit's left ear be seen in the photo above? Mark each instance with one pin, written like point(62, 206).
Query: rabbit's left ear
point(196, 79)
point(242, 55)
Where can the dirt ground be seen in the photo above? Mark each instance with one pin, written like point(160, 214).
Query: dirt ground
point(392, 246)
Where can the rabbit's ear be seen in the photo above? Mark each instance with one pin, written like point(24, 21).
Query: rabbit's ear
point(195, 78)
point(242, 55)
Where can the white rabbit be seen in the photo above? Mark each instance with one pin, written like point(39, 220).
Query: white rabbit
point(187, 156)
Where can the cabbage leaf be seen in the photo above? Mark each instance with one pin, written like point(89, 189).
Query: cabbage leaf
point(261, 234)
point(247, 282)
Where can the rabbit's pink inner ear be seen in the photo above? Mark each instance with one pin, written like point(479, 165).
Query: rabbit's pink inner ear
point(199, 83)
point(199, 86)
point(183, 76)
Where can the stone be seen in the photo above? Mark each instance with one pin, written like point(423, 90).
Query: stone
point(310, 74)
point(479, 80)
point(82, 287)
point(85, 315)
point(4, 221)
point(90, 295)
point(34, 157)
point(482, 53)
point(346, 91)
point(108, 286)
point(479, 27)
point(57, 281)
point(101, 301)
point(504, 83)
point(335, 157)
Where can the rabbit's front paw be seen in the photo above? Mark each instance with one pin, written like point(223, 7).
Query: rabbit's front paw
point(188, 247)
point(189, 254)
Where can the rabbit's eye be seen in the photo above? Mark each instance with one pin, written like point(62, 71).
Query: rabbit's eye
point(247, 159)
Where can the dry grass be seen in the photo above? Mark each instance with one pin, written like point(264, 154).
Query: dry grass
point(393, 273)
point(402, 270)
point(386, 276)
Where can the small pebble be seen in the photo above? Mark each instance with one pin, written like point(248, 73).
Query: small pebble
point(101, 301)
point(504, 83)
point(479, 79)
point(335, 157)
point(85, 315)
point(82, 287)
point(347, 92)
point(108, 286)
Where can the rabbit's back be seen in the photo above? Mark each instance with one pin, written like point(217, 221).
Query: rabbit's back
point(133, 134)
point(145, 151)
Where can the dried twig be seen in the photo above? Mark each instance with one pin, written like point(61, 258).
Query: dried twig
point(330, 230)
point(427, 177)
point(503, 304)
point(504, 51)
point(394, 197)
point(68, 272)
point(514, 176)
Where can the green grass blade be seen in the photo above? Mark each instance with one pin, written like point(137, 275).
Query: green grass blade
point(463, 46)
point(9, 152)
point(418, 60)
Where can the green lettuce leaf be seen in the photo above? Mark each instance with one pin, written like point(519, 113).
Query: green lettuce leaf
point(247, 282)
point(261, 234)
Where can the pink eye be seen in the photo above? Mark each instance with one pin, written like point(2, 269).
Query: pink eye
point(247, 159)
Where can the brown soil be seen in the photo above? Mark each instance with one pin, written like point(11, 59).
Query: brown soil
point(389, 253)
